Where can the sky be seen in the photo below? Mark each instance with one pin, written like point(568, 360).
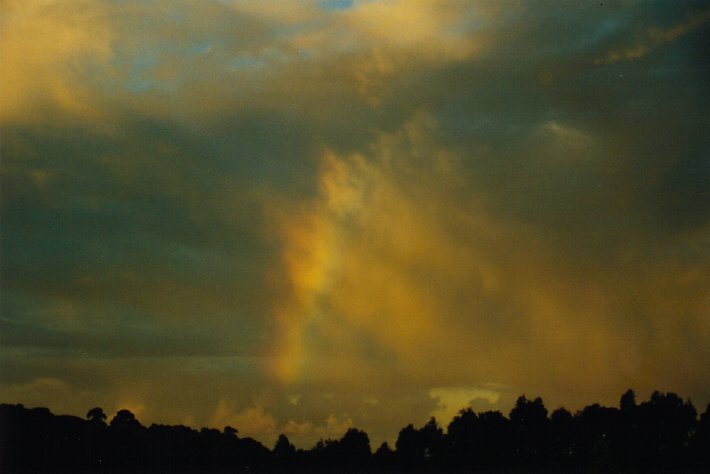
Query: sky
point(303, 216)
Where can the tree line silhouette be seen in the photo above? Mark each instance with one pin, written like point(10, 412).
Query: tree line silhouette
point(662, 434)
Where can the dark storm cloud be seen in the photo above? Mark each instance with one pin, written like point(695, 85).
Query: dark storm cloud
point(540, 116)
point(147, 244)
point(589, 152)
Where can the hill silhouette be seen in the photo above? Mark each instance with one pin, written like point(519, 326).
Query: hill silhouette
point(662, 434)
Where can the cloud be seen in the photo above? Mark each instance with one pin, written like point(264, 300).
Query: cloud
point(453, 399)
point(319, 248)
point(252, 422)
point(391, 201)
point(43, 384)
point(256, 422)
point(383, 268)
point(434, 30)
point(656, 37)
point(72, 41)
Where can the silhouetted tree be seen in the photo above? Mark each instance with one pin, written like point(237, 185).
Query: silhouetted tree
point(96, 437)
point(174, 448)
point(418, 448)
point(627, 444)
point(433, 437)
point(666, 424)
point(325, 454)
point(125, 419)
point(284, 451)
point(96, 415)
point(699, 448)
point(530, 424)
point(596, 434)
point(561, 446)
point(37, 441)
point(384, 458)
point(410, 447)
point(497, 438)
point(128, 446)
point(627, 403)
point(355, 448)
point(463, 439)
point(478, 440)
point(662, 434)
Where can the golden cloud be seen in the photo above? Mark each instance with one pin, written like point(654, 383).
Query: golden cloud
point(382, 269)
point(50, 51)
point(368, 258)
point(257, 422)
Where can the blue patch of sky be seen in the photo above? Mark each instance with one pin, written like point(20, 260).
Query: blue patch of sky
point(602, 31)
point(251, 61)
point(468, 22)
point(336, 4)
point(247, 61)
point(200, 48)
point(139, 79)
point(586, 38)
point(324, 4)
point(142, 65)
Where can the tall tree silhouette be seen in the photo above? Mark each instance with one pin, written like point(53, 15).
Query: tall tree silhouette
point(463, 439)
point(627, 403)
point(699, 451)
point(596, 434)
point(417, 448)
point(627, 446)
point(530, 426)
point(284, 452)
point(561, 445)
